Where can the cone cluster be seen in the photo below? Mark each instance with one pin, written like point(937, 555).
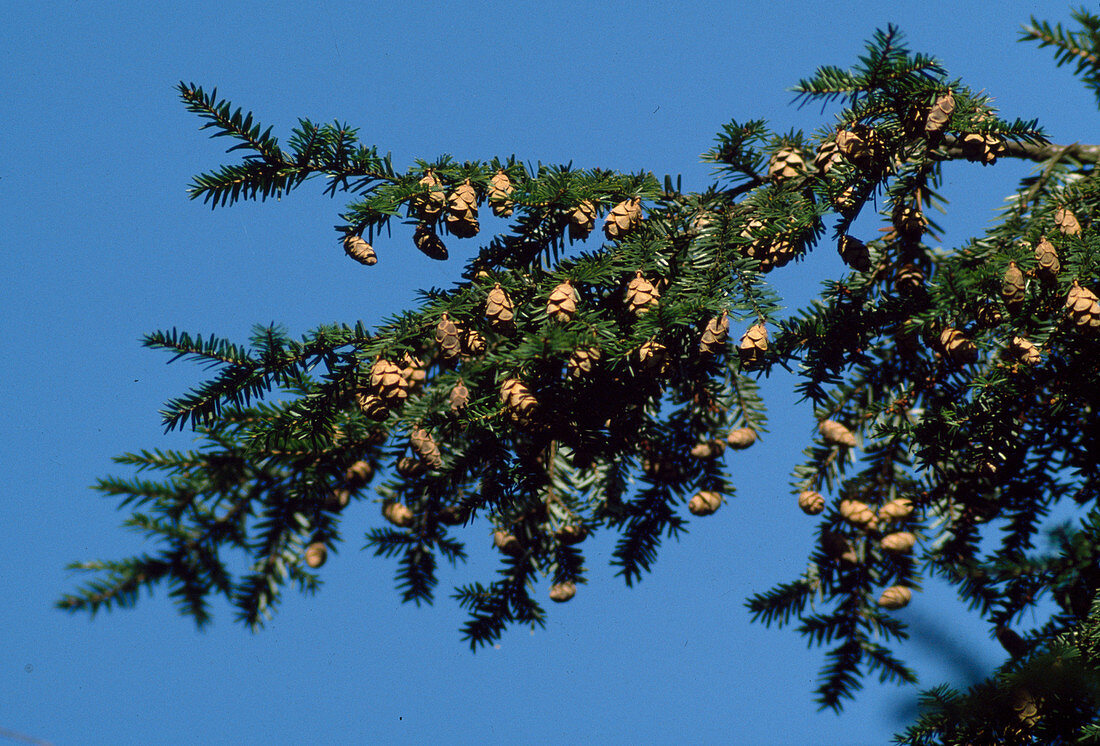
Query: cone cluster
point(429, 206)
point(397, 513)
point(854, 253)
point(714, 335)
point(836, 434)
point(447, 338)
point(786, 163)
point(424, 446)
point(741, 438)
point(582, 361)
point(1013, 288)
point(498, 309)
point(562, 592)
point(811, 502)
point(582, 220)
point(562, 303)
point(641, 295)
point(316, 554)
point(1024, 351)
point(430, 244)
point(957, 347)
point(462, 211)
point(754, 343)
point(1066, 222)
point(895, 597)
point(360, 250)
point(1083, 307)
point(705, 503)
point(518, 401)
point(1046, 258)
point(623, 218)
point(500, 193)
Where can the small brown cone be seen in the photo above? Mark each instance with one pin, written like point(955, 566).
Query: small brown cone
point(707, 450)
point(860, 144)
point(410, 467)
point(562, 592)
point(827, 156)
point(360, 250)
point(462, 211)
point(939, 116)
point(447, 337)
point(500, 192)
point(779, 254)
point(413, 372)
point(836, 434)
point(811, 502)
point(845, 202)
point(653, 356)
point(428, 206)
point(425, 447)
point(705, 503)
point(641, 295)
point(1066, 222)
point(901, 542)
point(562, 303)
point(473, 344)
point(582, 220)
point(1026, 708)
point(429, 243)
point(518, 402)
point(957, 347)
point(358, 474)
point(459, 396)
point(397, 513)
point(316, 554)
point(1046, 258)
point(1024, 351)
point(1083, 307)
point(388, 382)
point(909, 280)
point(895, 597)
point(981, 148)
point(896, 510)
point(857, 513)
point(337, 500)
point(754, 343)
point(838, 547)
point(854, 253)
point(571, 534)
point(499, 310)
point(1013, 288)
point(714, 335)
point(908, 221)
point(582, 361)
point(372, 406)
point(741, 438)
point(786, 163)
point(623, 218)
point(507, 543)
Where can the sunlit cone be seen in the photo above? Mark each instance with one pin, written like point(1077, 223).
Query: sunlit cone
point(653, 356)
point(360, 250)
point(623, 218)
point(786, 163)
point(900, 542)
point(425, 447)
point(582, 361)
point(507, 543)
point(500, 192)
point(741, 438)
point(981, 148)
point(714, 336)
point(857, 513)
point(562, 303)
point(705, 503)
point(473, 344)
point(836, 434)
point(860, 144)
point(388, 382)
point(1083, 307)
point(854, 253)
point(571, 534)
point(372, 406)
point(316, 554)
point(429, 243)
point(709, 449)
point(447, 338)
point(1024, 351)
point(1066, 222)
point(811, 502)
point(754, 343)
point(957, 347)
point(397, 513)
point(413, 371)
point(909, 280)
point(410, 467)
point(518, 402)
point(641, 295)
point(895, 597)
point(896, 510)
point(499, 310)
point(845, 202)
point(827, 156)
point(459, 396)
point(358, 474)
point(939, 116)
point(779, 253)
point(1013, 288)
point(562, 592)
point(428, 206)
point(582, 220)
point(462, 211)
point(1046, 257)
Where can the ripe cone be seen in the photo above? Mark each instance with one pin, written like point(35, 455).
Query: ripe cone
point(811, 502)
point(562, 303)
point(447, 337)
point(1046, 258)
point(623, 218)
point(316, 554)
point(714, 335)
point(388, 382)
point(857, 513)
point(957, 347)
point(741, 438)
point(981, 148)
point(581, 361)
point(754, 343)
point(562, 592)
point(895, 597)
point(854, 253)
point(397, 514)
point(507, 543)
point(1025, 351)
point(500, 192)
point(1026, 708)
point(360, 250)
point(462, 211)
point(779, 253)
point(337, 500)
point(786, 163)
point(410, 467)
point(896, 510)
point(571, 534)
point(1066, 222)
point(908, 221)
point(707, 450)
point(1013, 288)
point(861, 145)
point(358, 474)
point(827, 156)
point(641, 296)
point(705, 503)
point(901, 542)
point(428, 206)
point(1083, 307)
point(845, 202)
point(425, 447)
point(413, 372)
point(653, 356)
point(517, 400)
point(838, 547)
point(909, 280)
point(372, 406)
point(582, 220)
point(429, 243)
point(939, 116)
point(459, 396)
point(499, 310)
point(473, 343)
point(836, 434)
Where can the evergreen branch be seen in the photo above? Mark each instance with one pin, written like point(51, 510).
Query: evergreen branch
point(230, 123)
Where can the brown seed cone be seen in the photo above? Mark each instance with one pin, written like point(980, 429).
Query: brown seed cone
point(1083, 307)
point(909, 280)
point(1025, 351)
point(582, 361)
point(1066, 222)
point(562, 303)
point(452, 515)
point(388, 382)
point(360, 250)
point(845, 202)
point(462, 211)
point(780, 253)
point(507, 543)
point(407, 466)
point(895, 597)
point(500, 192)
point(857, 513)
point(653, 355)
point(957, 347)
point(741, 438)
point(397, 513)
point(854, 253)
point(989, 315)
point(786, 163)
point(1046, 258)
point(754, 343)
point(499, 309)
point(705, 503)
point(827, 156)
point(1026, 707)
point(811, 502)
point(714, 335)
point(838, 547)
point(413, 372)
point(641, 296)
point(473, 344)
point(429, 243)
point(901, 542)
point(623, 218)
point(861, 145)
point(425, 447)
point(562, 592)
point(896, 510)
point(1013, 288)
point(517, 400)
point(582, 220)
point(337, 500)
point(836, 434)
point(428, 206)
point(709, 449)
point(447, 337)
point(358, 474)
point(908, 221)
point(571, 534)
point(459, 396)
point(372, 406)
point(981, 148)
point(316, 554)
point(939, 116)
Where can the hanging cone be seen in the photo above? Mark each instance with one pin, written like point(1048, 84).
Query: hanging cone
point(1047, 260)
point(1066, 222)
point(909, 280)
point(895, 597)
point(939, 116)
point(828, 155)
point(425, 447)
point(705, 503)
point(857, 513)
point(989, 315)
point(901, 542)
point(854, 253)
point(779, 253)
point(316, 554)
point(518, 401)
point(707, 450)
point(836, 434)
point(860, 144)
point(410, 467)
point(811, 502)
point(641, 296)
point(459, 396)
point(337, 500)
point(1083, 307)
point(360, 250)
point(358, 474)
point(507, 543)
point(714, 335)
point(462, 211)
point(388, 383)
point(500, 192)
point(581, 361)
point(741, 438)
point(397, 514)
point(896, 510)
point(571, 534)
point(957, 347)
point(582, 220)
point(754, 343)
point(498, 309)
point(786, 163)
point(981, 148)
point(1013, 288)
point(562, 592)
point(908, 221)
point(652, 355)
point(447, 337)
point(429, 243)
point(1025, 351)
point(845, 202)
point(1026, 708)
point(562, 303)
point(623, 218)
point(428, 206)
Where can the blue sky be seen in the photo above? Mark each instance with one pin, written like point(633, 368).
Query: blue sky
point(103, 246)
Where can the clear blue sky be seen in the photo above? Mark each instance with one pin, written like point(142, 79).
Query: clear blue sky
point(103, 245)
